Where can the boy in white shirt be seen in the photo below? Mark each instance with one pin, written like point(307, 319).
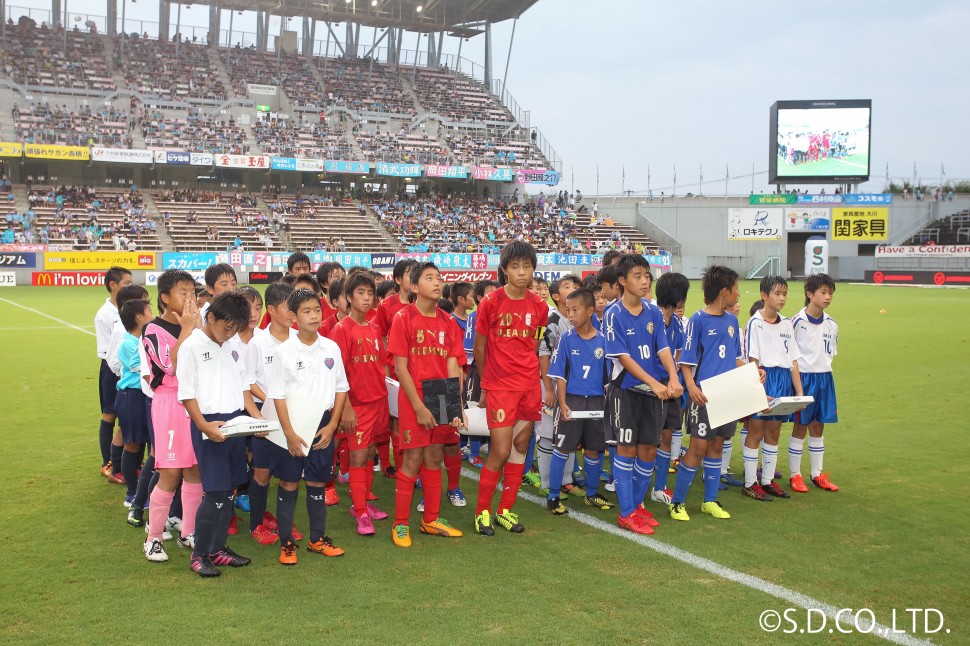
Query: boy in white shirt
point(104, 322)
point(312, 364)
point(214, 388)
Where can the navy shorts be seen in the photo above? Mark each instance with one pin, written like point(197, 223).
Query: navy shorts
point(261, 453)
point(148, 421)
point(824, 409)
point(672, 416)
point(131, 409)
point(777, 384)
point(107, 388)
point(222, 464)
point(473, 385)
point(699, 426)
point(317, 466)
point(587, 433)
point(635, 418)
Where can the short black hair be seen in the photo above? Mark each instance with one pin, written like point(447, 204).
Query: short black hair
point(402, 267)
point(460, 289)
point(307, 278)
point(386, 288)
point(131, 293)
point(517, 250)
point(611, 256)
point(757, 305)
point(217, 271)
point(115, 275)
point(607, 275)
point(277, 293)
point(768, 283)
point(298, 297)
point(200, 289)
point(589, 282)
point(295, 257)
point(130, 311)
point(169, 279)
point(419, 268)
point(481, 286)
point(355, 280)
point(324, 271)
point(714, 278)
point(628, 263)
point(252, 294)
point(231, 307)
point(288, 279)
point(587, 297)
point(335, 290)
point(446, 305)
point(539, 280)
point(816, 282)
point(671, 289)
point(555, 285)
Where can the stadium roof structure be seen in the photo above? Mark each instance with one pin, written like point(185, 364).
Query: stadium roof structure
point(463, 18)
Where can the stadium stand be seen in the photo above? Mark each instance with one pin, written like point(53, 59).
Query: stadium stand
point(43, 57)
point(379, 144)
point(291, 72)
point(364, 85)
point(152, 68)
point(197, 132)
point(82, 218)
point(325, 222)
point(287, 138)
point(951, 230)
point(42, 124)
point(456, 97)
point(207, 221)
point(466, 224)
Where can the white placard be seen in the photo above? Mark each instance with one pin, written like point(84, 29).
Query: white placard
point(8, 279)
point(393, 388)
point(477, 422)
point(733, 395)
point(789, 405)
point(305, 414)
point(246, 425)
point(761, 223)
point(585, 414)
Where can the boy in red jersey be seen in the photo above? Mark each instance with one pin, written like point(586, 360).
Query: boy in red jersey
point(508, 327)
point(367, 417)
point(426, 345)
point(335, 294)
point(385, 315)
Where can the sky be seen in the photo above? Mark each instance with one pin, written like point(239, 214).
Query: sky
point(637, 87)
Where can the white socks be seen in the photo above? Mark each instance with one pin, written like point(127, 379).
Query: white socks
point(795, 447)
point(816, 451)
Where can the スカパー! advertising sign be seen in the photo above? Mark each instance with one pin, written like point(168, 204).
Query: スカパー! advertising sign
point(69, 260)
point(67, 279)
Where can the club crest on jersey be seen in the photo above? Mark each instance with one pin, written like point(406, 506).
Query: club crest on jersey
point(650, 327)
point(598, 353)
point(328, 362)
point(731, 331)
point(528, 319)
point(441, 338)
point(235, 356)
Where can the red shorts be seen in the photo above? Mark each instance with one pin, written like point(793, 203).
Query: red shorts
point(414, 436)
point(371, 418)
point(506, 407)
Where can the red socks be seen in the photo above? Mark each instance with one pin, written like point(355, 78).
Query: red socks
point(510, 485)
point(343, 457)
point(486, 488)
point(369, 473)
point(431, 483)
point(453, 467)
point(404, 492)
point(358, 488)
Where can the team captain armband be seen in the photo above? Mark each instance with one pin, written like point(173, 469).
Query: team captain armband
point(540, 332)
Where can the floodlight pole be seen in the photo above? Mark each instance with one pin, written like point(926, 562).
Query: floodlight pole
point(178, 29)
point(508, 58)
point(488, 55)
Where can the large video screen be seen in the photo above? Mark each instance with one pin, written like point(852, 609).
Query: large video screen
point(816, 142)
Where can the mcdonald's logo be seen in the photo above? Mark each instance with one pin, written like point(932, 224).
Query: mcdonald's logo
point(67, 279)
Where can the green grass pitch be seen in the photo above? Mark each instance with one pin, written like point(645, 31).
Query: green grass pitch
point(896, 536)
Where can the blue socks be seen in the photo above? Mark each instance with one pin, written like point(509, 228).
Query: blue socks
point(663, 467)
point(712, 476)
point(642, 473)
point(557, 470)
point(530, 454)
point(685, 476)
point(623, 479)
point(594, 468)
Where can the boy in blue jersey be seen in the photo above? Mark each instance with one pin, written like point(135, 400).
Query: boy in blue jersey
point(671, 293)
point(578, 370)
point(712, 347)
point(644, 378)
point(770, 343)
point(817, 335)
point(473, 384)
point(131, 404)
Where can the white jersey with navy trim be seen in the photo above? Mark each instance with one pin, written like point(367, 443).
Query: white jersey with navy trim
point(772, 345)
point(818, 341)
point(104, 322)
point(213, 375)
point(267, 345)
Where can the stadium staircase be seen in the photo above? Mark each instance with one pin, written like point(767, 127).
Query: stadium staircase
point(770, 265)
point(950, 230)
point(418, 108)
point(165, 240)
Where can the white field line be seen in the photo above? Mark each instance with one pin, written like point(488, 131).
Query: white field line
point(794, 599)
point(48, 316)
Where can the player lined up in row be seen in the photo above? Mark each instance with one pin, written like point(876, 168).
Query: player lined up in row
point(605, 370)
